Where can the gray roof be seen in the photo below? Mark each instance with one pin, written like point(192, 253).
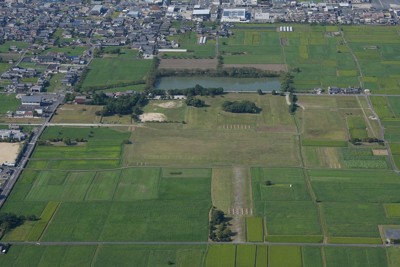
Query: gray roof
point(31, 99)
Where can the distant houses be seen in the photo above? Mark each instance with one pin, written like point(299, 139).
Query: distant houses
point(346, 91)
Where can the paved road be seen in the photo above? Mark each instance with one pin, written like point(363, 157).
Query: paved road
point(73, 243)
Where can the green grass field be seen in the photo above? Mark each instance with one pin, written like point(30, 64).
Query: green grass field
point(111, 71)
point(215, 136)
point(189, 41)
point(8, 102)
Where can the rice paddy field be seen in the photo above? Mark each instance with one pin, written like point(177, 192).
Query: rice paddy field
point(297, 177)
point(325, 55)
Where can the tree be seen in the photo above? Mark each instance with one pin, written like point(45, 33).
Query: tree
point(195, 102)
point(260, 92)
point(67, 141)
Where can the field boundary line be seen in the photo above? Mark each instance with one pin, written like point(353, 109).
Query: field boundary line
point(116, 185)
point(89, 187)
point(365, 117)
point(323, 257)
point(49, 222)
point(96, 253)
point(360, 76)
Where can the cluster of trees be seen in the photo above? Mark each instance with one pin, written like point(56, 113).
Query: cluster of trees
point(219, 227)
point(9, 221)
point(287, 83)
point(123, 105)
point(197, 90)
point(219, 72)
point(195, 102)
point(293, 105)
point(240, 107)
point(359, 141)
point(66, 140)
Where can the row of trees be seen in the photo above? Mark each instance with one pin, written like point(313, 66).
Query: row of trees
point(240, 107)
point(219, 72)
point(197, 90)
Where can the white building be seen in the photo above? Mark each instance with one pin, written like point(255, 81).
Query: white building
point(234, 15)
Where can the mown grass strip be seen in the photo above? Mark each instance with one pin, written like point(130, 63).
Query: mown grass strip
point(324, 143)
point(354, 240)
point(45, 217)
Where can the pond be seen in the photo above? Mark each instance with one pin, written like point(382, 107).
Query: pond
point(228, 83)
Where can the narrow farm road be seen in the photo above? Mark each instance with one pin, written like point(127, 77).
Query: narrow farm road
point(240, 202)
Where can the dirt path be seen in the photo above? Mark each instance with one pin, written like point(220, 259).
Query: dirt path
point(240, 202)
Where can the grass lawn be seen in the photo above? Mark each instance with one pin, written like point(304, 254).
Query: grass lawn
point(8, 102)
point(68, 113)
point(55, 82)
point(112, 71)
point(216, 136)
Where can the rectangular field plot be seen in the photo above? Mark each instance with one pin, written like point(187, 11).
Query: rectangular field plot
point(70, 113)
point(278, 184)
point(254, 229)
point(221, 256)
point(245, 255)
point(283, 256)
point(363, 158)
point(115, 71)
point(324, 125)
point(355, 186)
point(311, 257)
point(149, 256)
point(289, 218)
point(25, 255)
point(392, 210)
point(355, 257)
point(362, 221)
point(357, 127)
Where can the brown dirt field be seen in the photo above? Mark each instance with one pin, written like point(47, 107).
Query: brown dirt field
point(170, 104)
point(269, 67)
point(188, 64)
point(380, 152)
point(8, 152)
point(152, 117)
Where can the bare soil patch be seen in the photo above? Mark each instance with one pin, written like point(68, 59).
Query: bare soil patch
point(203, 64)
point(8, 152)
point(380, 152)
point(170, 104)
point(152, 117)
point(268, 67)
